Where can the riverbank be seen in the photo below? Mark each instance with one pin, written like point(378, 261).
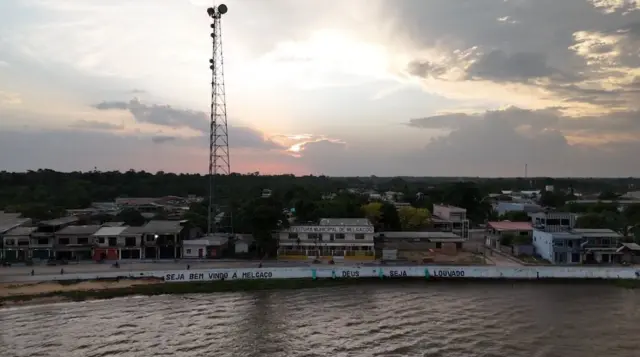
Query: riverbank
point(53, 292)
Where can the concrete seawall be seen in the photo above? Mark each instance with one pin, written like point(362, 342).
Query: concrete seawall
point(355, 272)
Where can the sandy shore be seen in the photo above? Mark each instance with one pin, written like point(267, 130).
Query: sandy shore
point(47, 291)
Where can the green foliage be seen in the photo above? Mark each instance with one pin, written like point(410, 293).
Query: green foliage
point(516, 216)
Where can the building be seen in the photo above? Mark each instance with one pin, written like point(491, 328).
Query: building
point(105, 242)
point(163, 239)
point(16, 244)
point(553, 221)
point(9, 221)
point(243, 243)
point(130, 244)
point(74, 242)
point(578, 246)
point(417, 246)
point(504, 207)
point(332, 238)
point(451, 219)
point(629, 253)
point(206, 247)
point(496, 230)
point(43, 238)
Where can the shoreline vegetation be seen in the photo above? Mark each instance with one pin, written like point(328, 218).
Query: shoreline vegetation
point(68, 291)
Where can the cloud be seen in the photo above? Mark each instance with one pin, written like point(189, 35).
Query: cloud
point(73, 149)
point(160, 139)
point(170, 117)
point(7, 98)
point(97, 125)
point(499, 66)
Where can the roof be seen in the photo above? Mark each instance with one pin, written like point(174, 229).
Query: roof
point(630, 246)
point(59, 221)
point(109, 231)
point(132, 231)
point(597, 232)
point(344, 222)
point(428, 235)
point(163, 227)
point(451, 208)
point(246, 238)
point(113, 224)
point(209, 240)
point(9, 224)
point(510, 226)
point(20, 231)
point(78, 230)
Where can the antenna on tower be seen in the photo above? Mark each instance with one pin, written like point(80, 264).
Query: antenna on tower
point(219, 163)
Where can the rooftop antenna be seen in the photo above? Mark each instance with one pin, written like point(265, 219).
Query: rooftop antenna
point(219, 163)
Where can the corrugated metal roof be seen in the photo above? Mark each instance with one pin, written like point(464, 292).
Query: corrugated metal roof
point(20, 231)
point(596, 233)
point(163, 227)
point(59, 221)
point(109, 231)
point(78, 230)
point(132, 231)
point(11, 223)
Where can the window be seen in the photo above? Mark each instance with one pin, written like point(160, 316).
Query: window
point(23, 242)
point(63, 241)
point(113, 241)
point(606, 241)
point(43, 241)
point(564, 222)
point(188, 251)
point(438, 245)
point(130, 242)
point(9, 242)
point(332, 237)
point(101, 240)
point(575, 258)
point(558, 243)
point(339, 235)
point(149, 238)
point(314, 236)
point(293, 235)
point(359, 236)
point(83, 240)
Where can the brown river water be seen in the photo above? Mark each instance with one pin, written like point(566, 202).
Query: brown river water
point(436, 319)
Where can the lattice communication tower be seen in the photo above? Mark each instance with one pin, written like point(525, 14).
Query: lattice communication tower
point(218, 219)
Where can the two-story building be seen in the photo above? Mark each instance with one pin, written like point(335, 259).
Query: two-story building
point(556, 240)
point(16, 244)
point(105, 243)
point(332, 238)
point(163, 239)
point(42, 239)
point(448, 218)
point(74, 242)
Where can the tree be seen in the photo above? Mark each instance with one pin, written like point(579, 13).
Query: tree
point(389, 220)
point(131, 217)
point(373, 212)
point(412, 218)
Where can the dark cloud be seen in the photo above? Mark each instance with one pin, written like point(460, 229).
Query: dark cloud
point(160, 139)
point(500, 66)
point(97, 125)
point(622, 122)
point(568, 49)
point(168, 116)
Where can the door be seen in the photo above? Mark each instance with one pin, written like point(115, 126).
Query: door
point(200, 252)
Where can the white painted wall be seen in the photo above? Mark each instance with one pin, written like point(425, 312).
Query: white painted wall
point(241, 247)
point(191, 250)
point(452, 272)
point(543, 242)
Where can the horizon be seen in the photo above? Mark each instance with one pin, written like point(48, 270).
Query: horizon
point(409, 88)
point(260, 174)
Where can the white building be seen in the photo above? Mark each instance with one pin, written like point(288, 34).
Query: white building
point(333, 238)
point(451, 219)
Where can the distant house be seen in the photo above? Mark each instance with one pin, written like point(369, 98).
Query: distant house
point(212, 246)
point(242, 243)
point(74, 242)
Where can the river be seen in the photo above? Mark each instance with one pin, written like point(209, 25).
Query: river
point(414, 319)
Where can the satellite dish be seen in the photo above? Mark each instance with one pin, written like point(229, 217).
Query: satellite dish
point(222, 9)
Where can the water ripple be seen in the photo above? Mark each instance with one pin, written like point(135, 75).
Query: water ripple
point(466, 320)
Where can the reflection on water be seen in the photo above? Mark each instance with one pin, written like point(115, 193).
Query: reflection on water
point(418, 319)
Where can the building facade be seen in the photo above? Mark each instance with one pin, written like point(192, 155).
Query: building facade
point(451, 219)
point(578, 246)
point(332, 238)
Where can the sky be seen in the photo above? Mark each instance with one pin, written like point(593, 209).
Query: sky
point(341, 88)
